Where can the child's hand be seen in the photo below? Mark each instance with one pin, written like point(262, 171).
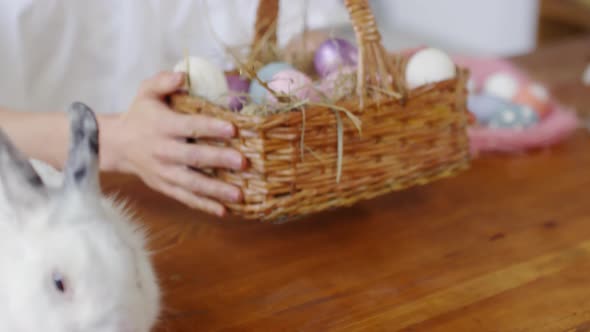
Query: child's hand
point(150, 141)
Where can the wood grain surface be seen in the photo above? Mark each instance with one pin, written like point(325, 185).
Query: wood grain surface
point(503, 247)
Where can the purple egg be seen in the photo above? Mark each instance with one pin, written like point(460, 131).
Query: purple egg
point(334, 54)
point(238, 88)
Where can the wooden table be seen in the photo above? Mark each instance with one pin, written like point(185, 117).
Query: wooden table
point(503, 247)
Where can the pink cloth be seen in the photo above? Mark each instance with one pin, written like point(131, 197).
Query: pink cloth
point(481, 68)
point(552, 129)
point(555, 127)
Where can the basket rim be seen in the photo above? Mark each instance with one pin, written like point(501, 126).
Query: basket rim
point(261, 121)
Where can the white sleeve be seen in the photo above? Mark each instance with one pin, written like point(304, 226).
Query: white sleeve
point(320, 14)
point(11, 64)
point(205, 27)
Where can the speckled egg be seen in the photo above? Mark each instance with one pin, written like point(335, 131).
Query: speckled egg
point(339, 84)
point(515, 117)
point(293, 83)
point(536, 97)
point(256, 91)
point(485, 106)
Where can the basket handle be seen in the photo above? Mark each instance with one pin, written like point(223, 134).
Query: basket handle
point(265, 31)
point(375, 68)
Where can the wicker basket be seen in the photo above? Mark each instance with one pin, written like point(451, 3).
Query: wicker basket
point(313, 159)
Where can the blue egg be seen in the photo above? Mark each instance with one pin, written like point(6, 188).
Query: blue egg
point(485, 106)
point(514, 117)
point(257, 92)
point(267, 72)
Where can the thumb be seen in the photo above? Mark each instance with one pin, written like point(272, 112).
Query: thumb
point(162, 84)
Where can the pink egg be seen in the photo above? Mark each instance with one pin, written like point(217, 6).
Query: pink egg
point(535, 96)
point(293, 83)
point(339, 83)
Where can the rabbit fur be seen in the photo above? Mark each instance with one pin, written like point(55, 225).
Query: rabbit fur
point(71, 259)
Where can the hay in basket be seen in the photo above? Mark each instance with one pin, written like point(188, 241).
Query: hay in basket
point(311, 157)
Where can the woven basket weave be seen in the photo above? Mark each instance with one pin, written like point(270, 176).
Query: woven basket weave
point(297, 157)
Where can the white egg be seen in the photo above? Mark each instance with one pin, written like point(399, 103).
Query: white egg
point(502, 85)
point(586, 76)
point(427, 66)
point(540, 92)
point(508, 116)
point(207, 80)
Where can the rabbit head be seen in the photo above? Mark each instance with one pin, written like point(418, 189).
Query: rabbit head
point(71, 260)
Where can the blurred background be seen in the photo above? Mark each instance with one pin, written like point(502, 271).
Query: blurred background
point(468, 27)
point(481, 27)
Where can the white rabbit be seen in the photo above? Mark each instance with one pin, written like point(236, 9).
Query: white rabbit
point(71, 260)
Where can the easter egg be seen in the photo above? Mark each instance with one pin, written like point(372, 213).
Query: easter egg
point(535, 96)
point(515, 117)
point(338, 84)
point(301, 48)
point(238, 88)
point(206, 79)
point(293, 83)
point(484, 107)
point(501, 85)
point(334, 54)
point(428, 66)
point(257, 91)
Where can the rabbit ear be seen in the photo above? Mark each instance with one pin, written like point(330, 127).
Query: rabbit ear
point(81, 169)
point(22, 186)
